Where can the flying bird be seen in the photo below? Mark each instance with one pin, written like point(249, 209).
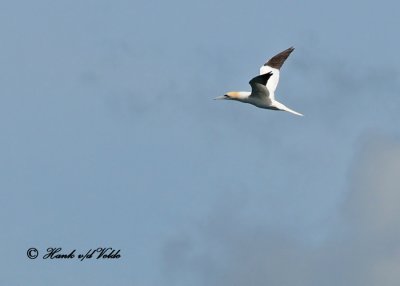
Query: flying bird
point(264, 85)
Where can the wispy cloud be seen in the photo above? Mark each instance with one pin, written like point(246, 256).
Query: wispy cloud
point(363, 248)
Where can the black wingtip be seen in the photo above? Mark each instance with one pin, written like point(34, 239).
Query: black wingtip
point(262, 78)
point(278, 60)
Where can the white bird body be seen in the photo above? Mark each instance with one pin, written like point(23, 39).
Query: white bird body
point(263, 86)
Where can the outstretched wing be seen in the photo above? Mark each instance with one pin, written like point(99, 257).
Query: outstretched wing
point(274, 65)
point(277, 61)
point(259, 86)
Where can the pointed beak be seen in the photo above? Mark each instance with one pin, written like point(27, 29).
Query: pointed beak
point(221, 97)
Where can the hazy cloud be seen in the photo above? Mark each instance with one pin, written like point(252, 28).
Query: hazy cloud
point(363, 248)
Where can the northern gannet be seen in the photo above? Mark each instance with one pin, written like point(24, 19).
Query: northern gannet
point(263, 86)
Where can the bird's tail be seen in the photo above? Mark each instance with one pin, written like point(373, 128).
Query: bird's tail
point(283, 107)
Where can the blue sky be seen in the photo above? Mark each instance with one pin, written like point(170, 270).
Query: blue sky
point(110, 137)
